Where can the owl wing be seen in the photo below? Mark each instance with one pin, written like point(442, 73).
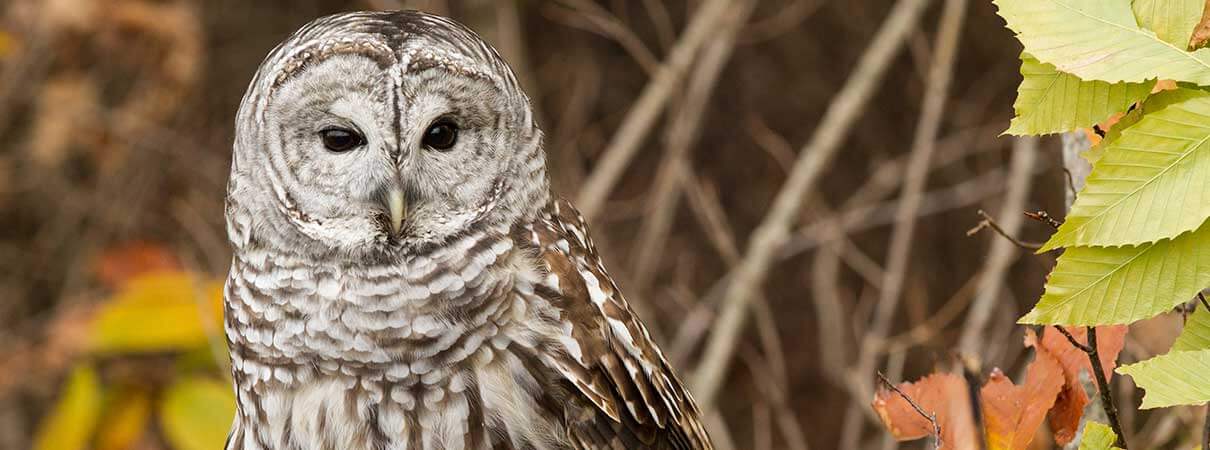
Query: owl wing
point(632, 398)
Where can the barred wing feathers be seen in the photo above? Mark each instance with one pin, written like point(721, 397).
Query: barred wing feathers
point(636, 400)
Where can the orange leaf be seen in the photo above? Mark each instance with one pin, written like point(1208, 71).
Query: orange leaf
point(1164, 85)
point(1012, 414)
point(941, 394)
point(119, 264)
point(1064, 418)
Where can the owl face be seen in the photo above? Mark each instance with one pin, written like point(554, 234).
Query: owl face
point(382, 133)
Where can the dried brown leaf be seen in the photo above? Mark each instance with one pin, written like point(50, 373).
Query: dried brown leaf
point(942, 394)
point(1064, 418)
point(1013, 413)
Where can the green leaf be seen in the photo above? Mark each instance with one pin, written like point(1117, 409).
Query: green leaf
point(1049, 101)
point(168, 311)
point(70, 425)
point(1196, 334)
point(1118, 285)
point(1100, 40)
point(1171, 20)
point(196, 413)
point(1098, 436)
point(1177, 378)
point(1153, 181)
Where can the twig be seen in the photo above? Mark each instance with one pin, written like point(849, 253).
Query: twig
point(1071, 182)
point(682, 134)
point(1111, 408)
point(593, 18)
point(894, 370)
point(864, 217)
point(1202, 298)
point(1073, 341)
point(775, 393)
point(773, 231)
point(932, 418)
point(936, 92)
point(935, 324)
point(784, 20)
point(664, 29)
point(989, 222)
point(642, 116)
point(1044, 217)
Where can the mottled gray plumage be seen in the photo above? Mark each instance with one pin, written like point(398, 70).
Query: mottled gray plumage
point(398, 296)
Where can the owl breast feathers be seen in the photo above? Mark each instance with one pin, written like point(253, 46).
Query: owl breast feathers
point(402, 276)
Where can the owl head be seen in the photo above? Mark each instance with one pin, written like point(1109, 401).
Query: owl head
point(379, 134)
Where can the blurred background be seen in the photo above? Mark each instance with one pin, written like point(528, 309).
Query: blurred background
point(115, 141)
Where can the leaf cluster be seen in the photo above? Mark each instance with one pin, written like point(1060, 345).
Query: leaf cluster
point(1136, 242)
point(153, 362)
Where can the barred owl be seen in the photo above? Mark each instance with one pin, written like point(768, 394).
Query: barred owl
point(403, 277)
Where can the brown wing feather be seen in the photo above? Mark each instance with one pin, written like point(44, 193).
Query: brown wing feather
point(630, 396)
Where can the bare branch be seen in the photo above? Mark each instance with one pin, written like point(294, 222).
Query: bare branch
point(589, 16)
point(989, 222)
point(812, 160)
point(936, 92)
point(1107, 401)
point(682, 134)
point(1044, 217)
point(642, 116)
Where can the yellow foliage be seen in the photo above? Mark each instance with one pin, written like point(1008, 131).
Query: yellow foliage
point(8, 44)
point(196, 413)
point(166, 311)
point(126, 419)
point(70, 424)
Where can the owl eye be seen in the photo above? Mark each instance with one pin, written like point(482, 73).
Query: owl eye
point(441, 135)
point(340, 140)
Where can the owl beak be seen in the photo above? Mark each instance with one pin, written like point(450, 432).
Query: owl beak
point(397, 203)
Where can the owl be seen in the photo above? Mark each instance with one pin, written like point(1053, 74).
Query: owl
point(403, 277)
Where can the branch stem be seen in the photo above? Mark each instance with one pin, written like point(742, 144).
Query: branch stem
point(1107, 402)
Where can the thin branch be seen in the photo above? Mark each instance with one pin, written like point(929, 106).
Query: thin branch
point(1202, 298)
point(989, 222)
point(1071, 182)
point(932, 418)
point(781, 22)
point(935, 324)
point(1107, 401)
point(651, 102)
point(1044, 217)
point(898, 256)
point(682, 135)
point(813, 159)
point(657, 12)
point(1073, 341)
point(589, 16)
